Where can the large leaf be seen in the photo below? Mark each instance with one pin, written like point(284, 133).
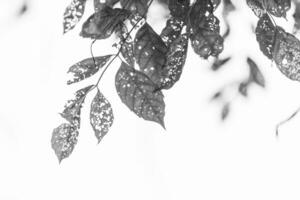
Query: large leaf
point(73, 14)
point(136, 6)
point(101, 116)
point(72, 108)
point(102, 24)
point(150, 52)
point(172, 30)
point(87, 68)
point(175, 62)
point(266, 35)
point(205, 30)
point(179, 9)
point(63, 140)
point(139, 94)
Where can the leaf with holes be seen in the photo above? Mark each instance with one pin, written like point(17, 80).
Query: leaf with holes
point(139, 94)
point(205, 30)
point(287, 54)
point(136, 6)
point(179, 9)
point(102, 24)
point(255, 74)
point(172, 30)
point(150, 52)
point(175, 62)
point(101, 116)
point(266, 35)
point(87, 67)
point(73, 14)
point(63, 141)
point(99, 4)
point(72, 108)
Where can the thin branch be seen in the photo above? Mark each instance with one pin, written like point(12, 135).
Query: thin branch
point(286, 120)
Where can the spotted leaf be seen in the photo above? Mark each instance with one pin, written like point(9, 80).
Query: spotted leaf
point(63, 141)
point(150, 52)
point(205, 30)
point(87, 68)
point(278, 8)
point(172, 30)
point(102, 24)
point(72, 108)
point(136, 6)
point(179, 9)
point(175, 62)
point(101, 116)
point(139, 94)
point(257, 7)
point(73, 14)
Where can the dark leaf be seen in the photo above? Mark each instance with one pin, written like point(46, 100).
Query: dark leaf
point(150, 52)
point(23, 9)
point(217, 95)
point(126, 46)
point(175, 62)
point(266, 35)
point(255, 73)
point(205, 30)
point(179, 8)
point(63, 141)
point(278, 8)
point(228, 7)
point(87, 68)
point(215, 3)
point(101, 116)
point(172, 30)
point(73, 14)
point(225, 111)
point(257, 7)
point(99, 4)
point(218, 63)
point(136, 6)
point(243, 88)
point(138, 93)
point(296, 16)
point(102, 24)
point(72, 108)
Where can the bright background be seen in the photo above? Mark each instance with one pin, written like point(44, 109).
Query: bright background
point(198, 157)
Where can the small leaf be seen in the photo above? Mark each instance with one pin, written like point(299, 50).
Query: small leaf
point(218, 63)
point(101, 116)
point(72, 108)
point(175, 62)
point(217, 95)
point(73, 14)
point(63, 141)
point(257, 7)
point(225, 111)
point(243, 88)
point(205, 29)
point(87, 67)
point(138, 93)
point(150, 52)
point(255, 73)
point(102, 24)
point(136, 6)
point(278, 8)
point(172, 30)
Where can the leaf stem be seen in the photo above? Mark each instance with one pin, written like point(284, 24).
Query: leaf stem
point(286, 120)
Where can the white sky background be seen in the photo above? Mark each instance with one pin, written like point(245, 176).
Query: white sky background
point(198, 157)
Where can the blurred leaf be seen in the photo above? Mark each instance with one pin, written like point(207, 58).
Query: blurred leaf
point(87, 68)
point(225, 111)
point(136, 91)
point(255, 73)
point(102, 24)
point(63, 141)
point(73, 14)
point(101, 116)
point(218, 63)
point(136, 6)
point(99, 4)
point(150, 52)
point(243, 88)
point(296, 16)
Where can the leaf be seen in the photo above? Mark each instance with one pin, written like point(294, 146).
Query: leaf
point(63, 141)
point(102, 24)
point(73, 14)
point(218, 63)
point(139, 94)
point(172, 30)
point(278, 8)
point(255, 74)
point(296, 16)
point(101, 116)
point(150, 52)
point(99, 4)
point(257, 7)
point(205, 30)
point(266, 35)
point(87, 67)
point(287, 54)
point(136, 6)
point(175, 62)
point(179, 8)
point(72, 108)
point(243, 88)
point(225, 111)
point(126, 46)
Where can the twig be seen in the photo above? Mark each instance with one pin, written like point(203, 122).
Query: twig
point(285, 121)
